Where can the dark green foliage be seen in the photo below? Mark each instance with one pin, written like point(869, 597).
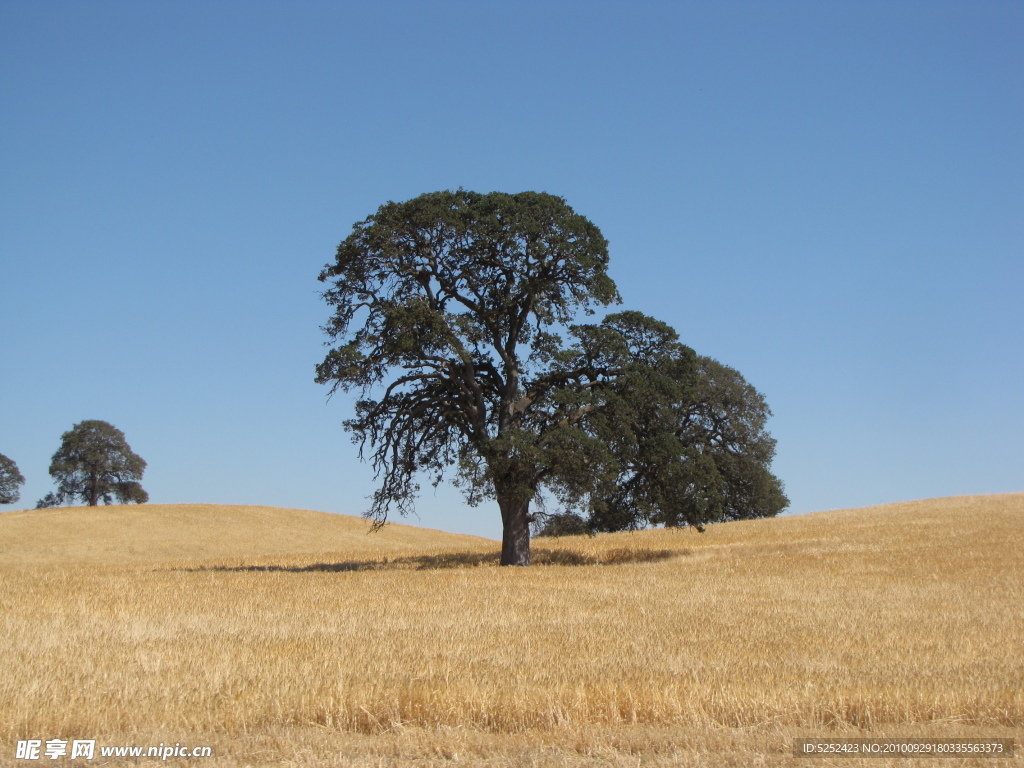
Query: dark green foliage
point(703, 456)
point(94, 463)
point(563, 524)
point(450, 311)
point(10, 481)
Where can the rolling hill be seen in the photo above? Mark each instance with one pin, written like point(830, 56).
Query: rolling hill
point(218, 533)
point(160, 533)
point(290, 637)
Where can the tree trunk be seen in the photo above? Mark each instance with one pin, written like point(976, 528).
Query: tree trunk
point(515, 523)
point(94, 491)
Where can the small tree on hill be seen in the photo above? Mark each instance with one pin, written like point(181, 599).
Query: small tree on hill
point(453, 316)
point(10, 481)
point(94, 463)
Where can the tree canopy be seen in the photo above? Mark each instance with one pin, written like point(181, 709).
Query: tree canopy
point(11, 481)
point(95, 463)
point(455, 318)
point(711, 463)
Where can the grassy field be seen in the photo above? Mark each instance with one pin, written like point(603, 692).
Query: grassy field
point(288, 637)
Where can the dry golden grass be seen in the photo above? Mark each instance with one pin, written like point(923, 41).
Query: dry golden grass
point(294, 638)
point(150, 534)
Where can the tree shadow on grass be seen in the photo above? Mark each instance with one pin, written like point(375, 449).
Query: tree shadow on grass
point(540, 557)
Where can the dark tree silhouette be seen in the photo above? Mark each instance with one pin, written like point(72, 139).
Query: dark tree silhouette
point(94, 463)
point(453, 317)
point(711, 464)
point(11, 481)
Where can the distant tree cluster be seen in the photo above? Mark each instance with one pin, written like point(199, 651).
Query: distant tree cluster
point(94, 463)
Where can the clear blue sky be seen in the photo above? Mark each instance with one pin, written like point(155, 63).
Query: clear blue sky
point(827, 196)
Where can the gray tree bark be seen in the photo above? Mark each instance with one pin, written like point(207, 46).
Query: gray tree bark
point(515, 523)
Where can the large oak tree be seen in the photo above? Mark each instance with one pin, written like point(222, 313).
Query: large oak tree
point(455, 318)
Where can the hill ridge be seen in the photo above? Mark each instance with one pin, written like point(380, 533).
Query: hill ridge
point(239, 534)
point(161, 532)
